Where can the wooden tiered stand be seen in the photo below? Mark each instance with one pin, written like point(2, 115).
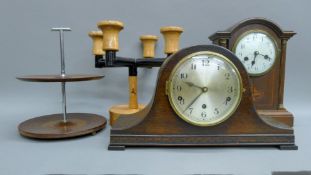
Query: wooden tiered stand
point(63, 125)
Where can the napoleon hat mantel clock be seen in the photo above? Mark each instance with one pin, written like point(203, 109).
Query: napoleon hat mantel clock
point(261, 46)
point(202, 98)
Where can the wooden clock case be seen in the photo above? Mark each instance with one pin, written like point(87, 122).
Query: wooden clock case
point(267, 89)
point(159, 125)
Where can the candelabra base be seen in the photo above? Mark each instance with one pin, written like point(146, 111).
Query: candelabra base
point(116, 111)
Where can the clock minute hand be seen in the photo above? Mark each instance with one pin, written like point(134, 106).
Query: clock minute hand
point(195, 99)
point(266, 57)
point(204, 89)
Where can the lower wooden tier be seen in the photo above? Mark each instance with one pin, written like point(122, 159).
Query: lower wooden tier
point(53, 127)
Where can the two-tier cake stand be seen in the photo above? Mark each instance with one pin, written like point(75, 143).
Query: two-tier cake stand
point(63, 125)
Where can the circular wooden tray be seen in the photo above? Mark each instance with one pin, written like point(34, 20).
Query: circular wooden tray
point(59, 78)
point(53, 127)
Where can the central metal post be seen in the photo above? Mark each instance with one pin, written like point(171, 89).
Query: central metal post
point(64, 102)
point(62, 52)
point(63, 72)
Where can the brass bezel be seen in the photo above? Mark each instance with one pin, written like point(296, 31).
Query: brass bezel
point(276, 49)
point(226, 115)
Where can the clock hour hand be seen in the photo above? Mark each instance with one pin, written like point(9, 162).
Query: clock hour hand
point(256, 53)
point(192, 84)
point(253, 62)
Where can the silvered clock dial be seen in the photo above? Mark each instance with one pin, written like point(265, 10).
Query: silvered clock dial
point(204, 88)
point(257, 51)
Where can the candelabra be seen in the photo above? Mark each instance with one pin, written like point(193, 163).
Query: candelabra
point(106, 45)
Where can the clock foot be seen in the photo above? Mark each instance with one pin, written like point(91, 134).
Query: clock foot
point(288, 147)
point(116, 148)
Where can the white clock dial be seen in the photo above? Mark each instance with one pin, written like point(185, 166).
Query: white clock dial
point(257, 51)
point(205, 88)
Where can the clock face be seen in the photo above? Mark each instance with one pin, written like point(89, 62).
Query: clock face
point(204, 88)
point(257, 51)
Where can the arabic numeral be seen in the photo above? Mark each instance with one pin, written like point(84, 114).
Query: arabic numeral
point(203, 114)
point(227, 76)
point(183, 75)
point(230, 89)
point(190, 109)
point(228, 99)
point(181, 100)
point(205, 62)
point(177, 87)
point(193, 66)
point(216, 111)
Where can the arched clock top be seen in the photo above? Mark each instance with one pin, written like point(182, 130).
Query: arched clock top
point(253, 21)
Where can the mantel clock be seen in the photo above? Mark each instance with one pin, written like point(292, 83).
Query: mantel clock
point(202, 98)
point(261, 46)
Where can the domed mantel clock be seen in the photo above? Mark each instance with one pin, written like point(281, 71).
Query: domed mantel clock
point(202, 98)
point(261, 46)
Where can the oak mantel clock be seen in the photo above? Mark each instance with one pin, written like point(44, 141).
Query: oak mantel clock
point(261, 46)
point(202, 98)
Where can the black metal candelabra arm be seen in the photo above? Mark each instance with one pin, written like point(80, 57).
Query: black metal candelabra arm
point(111, 60)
